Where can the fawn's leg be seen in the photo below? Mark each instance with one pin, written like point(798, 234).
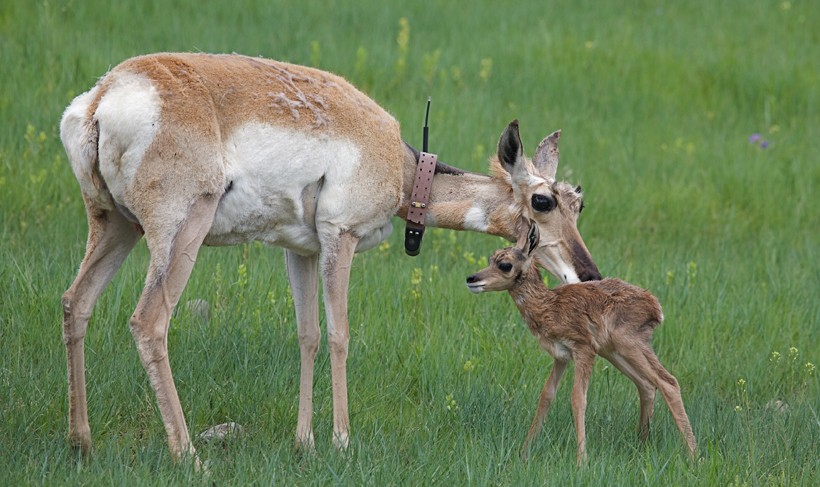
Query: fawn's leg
point(583, 369)
point(670, 390)
point(336, 260)
point(646, 392)
point(544, 403)
point(303, 277)
point(110, 239)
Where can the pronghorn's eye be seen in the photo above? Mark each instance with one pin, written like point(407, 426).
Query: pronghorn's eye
point(543, 203)
point(578, 189)
point(504, 266)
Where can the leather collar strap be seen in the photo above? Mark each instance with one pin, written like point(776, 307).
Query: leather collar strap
point(420, 197)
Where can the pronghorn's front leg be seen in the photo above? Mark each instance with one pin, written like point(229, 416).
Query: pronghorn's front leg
point(172, 259)
point(544, 403)
point(337, 258)
point(110, 238)
point(303, 278)
point(578, 399)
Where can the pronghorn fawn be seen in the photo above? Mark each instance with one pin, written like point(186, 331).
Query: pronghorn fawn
point(188, 150)
point(610, 318)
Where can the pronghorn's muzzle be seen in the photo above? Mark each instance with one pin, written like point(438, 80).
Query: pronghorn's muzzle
point(582, 261)
point(475, 283)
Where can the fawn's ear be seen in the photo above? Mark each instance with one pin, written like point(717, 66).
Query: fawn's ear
point(533, 237)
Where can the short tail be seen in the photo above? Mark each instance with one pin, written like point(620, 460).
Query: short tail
point(80, 136)
point(651, 317)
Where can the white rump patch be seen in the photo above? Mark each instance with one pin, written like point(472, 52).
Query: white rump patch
point(128, 115)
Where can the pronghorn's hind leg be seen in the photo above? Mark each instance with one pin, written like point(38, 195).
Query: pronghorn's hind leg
point(303, 278)
point(172, 259)
point(110, 239)
point(645, 363)
point(670, 390)
point(646, 392)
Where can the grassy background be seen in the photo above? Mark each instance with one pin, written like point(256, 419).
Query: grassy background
point(657, 101)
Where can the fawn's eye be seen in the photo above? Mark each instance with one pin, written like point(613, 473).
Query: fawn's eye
point(504, 266)
point(543, 203)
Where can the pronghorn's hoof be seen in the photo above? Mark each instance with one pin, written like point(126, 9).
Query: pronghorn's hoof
point(304, 444)
point(341, 441)
point(81, 443)
point(202, 468)
point(582, 459)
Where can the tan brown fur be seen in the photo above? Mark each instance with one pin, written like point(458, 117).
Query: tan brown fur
point(610, 318)
point(242, 88)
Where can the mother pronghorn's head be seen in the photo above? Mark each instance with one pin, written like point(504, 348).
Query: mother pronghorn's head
point(553, 205)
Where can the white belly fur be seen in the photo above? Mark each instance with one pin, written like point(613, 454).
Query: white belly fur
point(277, 177)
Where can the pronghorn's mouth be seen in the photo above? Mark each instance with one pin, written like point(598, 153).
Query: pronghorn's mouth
point(548, 256)
point(476, 287)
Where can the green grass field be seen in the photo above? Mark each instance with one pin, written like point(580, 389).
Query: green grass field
point(657, 101)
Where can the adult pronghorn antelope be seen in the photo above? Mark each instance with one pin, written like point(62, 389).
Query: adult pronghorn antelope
point(193, 149)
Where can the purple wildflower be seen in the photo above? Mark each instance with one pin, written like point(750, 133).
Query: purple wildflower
point(754, 138)
point(764, 144)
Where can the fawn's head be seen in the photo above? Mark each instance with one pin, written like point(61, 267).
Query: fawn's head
point(507, 265)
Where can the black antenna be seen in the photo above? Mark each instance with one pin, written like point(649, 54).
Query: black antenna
point(426, 128)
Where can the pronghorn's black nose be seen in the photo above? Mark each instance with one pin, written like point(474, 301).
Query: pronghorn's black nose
point(471, 279)
point(589, 275)
point(582, 262)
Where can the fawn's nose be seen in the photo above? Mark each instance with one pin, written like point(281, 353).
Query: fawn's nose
point(471, 279)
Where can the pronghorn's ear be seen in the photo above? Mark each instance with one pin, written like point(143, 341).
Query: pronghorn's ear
point(545, 158)
point(533, 237)
point(510, 151)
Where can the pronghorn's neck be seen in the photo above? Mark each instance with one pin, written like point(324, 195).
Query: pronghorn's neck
point(469, 201)
point(530, 288)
